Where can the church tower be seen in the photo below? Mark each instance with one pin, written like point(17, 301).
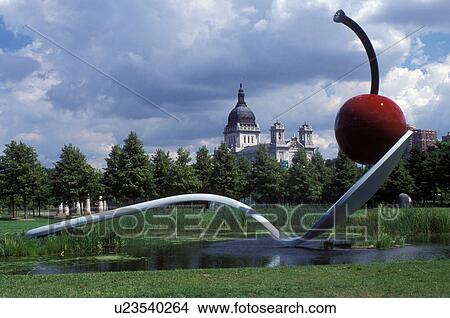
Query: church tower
point(242, 130)
point(305, 133)
point(277, 133)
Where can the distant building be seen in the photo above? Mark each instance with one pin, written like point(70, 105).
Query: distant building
point(446, 137)
point(421, 139)
point(242, 131)
point(242, 135)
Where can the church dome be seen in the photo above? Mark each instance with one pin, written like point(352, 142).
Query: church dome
point(241, 114)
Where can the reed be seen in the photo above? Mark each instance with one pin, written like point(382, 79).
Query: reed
point(408, 223)
point(17, 245)
point(182, 225)
point(191, 222)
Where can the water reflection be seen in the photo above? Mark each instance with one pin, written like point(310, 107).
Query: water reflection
point(263, 252)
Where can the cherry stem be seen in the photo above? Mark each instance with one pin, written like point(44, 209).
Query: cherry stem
point(340, 17)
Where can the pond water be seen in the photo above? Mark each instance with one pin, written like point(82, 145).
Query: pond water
point(263, 252)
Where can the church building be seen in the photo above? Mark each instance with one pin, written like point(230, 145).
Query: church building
point(242, 135)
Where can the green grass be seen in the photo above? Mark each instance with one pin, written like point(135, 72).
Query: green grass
point(62, 245)
point(27, 264)
point(400, 279)
point(19, 226)
point(408, 223)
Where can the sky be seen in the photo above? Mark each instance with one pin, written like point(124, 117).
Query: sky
point(188, 57)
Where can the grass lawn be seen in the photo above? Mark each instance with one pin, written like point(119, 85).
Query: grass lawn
point(19, 226)
point(400, 279)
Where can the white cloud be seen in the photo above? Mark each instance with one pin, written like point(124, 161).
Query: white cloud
point(261, 25)
point(326, 142)
point(33, 136)
point(423, 94)
point(249, 10)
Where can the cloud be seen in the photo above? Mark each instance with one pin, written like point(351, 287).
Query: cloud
point(423, 94)
point(261, 25)
point(433, 14)
point(14, 68)
point(326, 142)
point(190, 59)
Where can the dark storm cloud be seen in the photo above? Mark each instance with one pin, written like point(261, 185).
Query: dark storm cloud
point(433, 14)
point(189, 57)
point(182, 77)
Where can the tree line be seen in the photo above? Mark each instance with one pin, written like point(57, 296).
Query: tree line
point(132, 176)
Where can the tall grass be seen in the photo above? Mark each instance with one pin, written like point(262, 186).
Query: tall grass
point(193, 222)
point(419, 221)
point(408, 223)
point(184, 224)
point(15, 245)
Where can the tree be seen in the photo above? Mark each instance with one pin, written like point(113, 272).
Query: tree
point(302, 182)
point(52, 199)
point(19, 171)
point(94, 186)
point(322, 171)
point(245, 171)
point(436, 171)
point(443, 168)
point(203, 168)
point(416, 165)
point(135, 173)
point(163, 167)
point(185, 179)
point(225, 173)
point(111, 178)
point(42, 193)
point(431, 172)
point(72, 176)
point(399, 181)
point(266, 177)
point(344, 175)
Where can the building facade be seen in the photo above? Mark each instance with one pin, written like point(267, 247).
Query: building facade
point(421, 139)
point(242, 135)
point(446, 137)
point(242, 131)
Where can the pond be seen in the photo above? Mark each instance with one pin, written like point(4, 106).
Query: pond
point(263, 252)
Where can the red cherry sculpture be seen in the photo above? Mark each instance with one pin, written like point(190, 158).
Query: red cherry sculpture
point(367, 125)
